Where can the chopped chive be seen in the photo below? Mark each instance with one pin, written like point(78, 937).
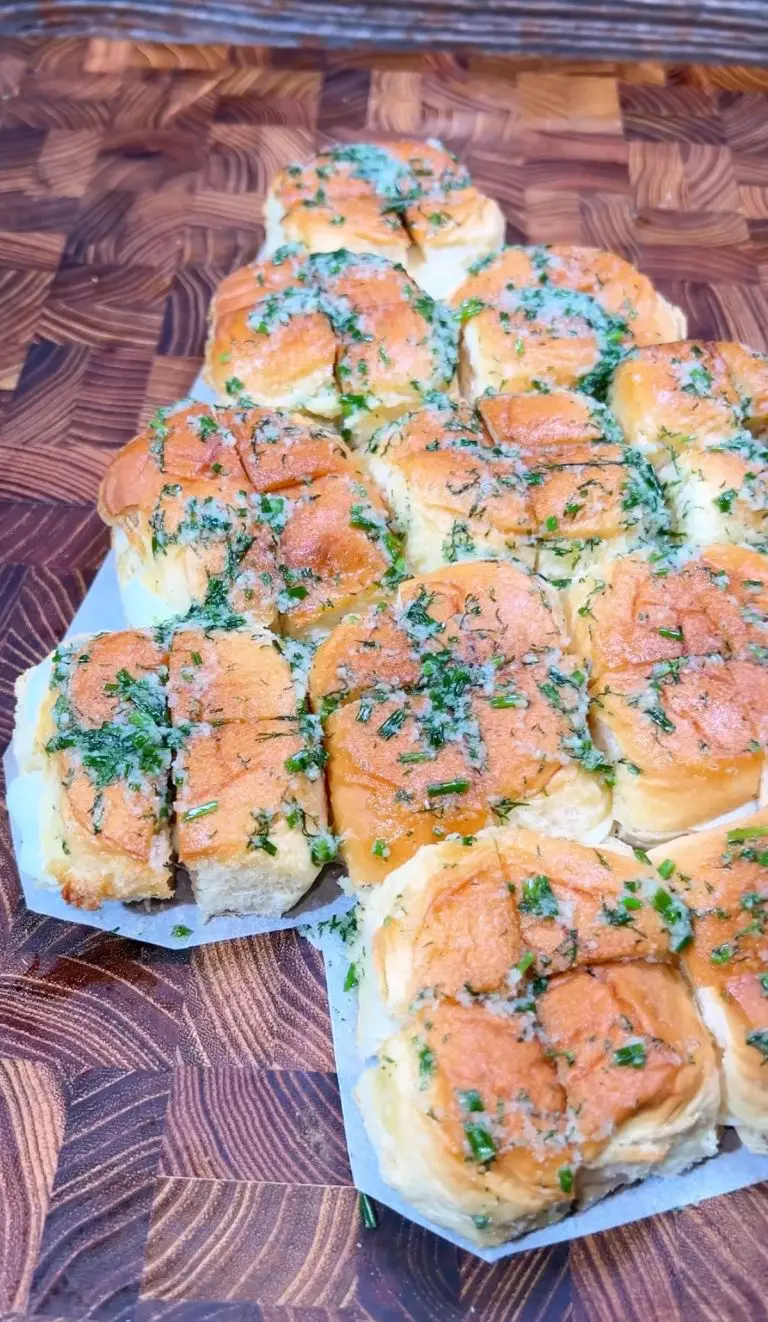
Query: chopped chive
point(525, 963)
point(393, 723)
point(675, 634)
point(666, 869)
point(443, 787)
point(380, 849)
point(351, 979)
point(197, 660)
point(180, 932)
point(632, 1055)
point(641, 856)
point(480, 1141)
point(367, 1212)
point(203, 810)
point(565, 1177)
point(676, 918)
point(427, 1064)
point(323, 848)
point(505, 700)
point(721, 954)
point(470, 308)
point(746, 833)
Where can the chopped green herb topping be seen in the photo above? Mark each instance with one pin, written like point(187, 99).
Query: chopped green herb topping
point(538, 898)
point(632, 1055)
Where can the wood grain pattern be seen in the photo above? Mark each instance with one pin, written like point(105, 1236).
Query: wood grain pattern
point(635, 28)
point(171, 1147)
point(32, 1108)
point(253, 1241)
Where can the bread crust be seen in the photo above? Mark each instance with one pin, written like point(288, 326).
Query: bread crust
point(407, 201)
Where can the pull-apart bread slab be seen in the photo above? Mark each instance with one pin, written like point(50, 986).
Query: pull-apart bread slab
point(344, 336)
point(539, 1049)
point(128, 744)
point(408, 201)
point(699, 411)
point(93, 744)
point(541, 478)
point(453, 707)
point(549, 317)
point(250, 813)
point(235, 515)
point(678, 683)
point(722, 875)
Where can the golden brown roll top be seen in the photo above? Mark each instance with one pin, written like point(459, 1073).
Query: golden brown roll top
point(699, 410)
point(486, 613)
point(251, 822)
point(616, 285)
point(93, 742)
point(542, 478)
point(407, 201)
point(722, 874)
point(469, 1122)
point(479, 915)
point(549, 317)
point(241, 514)
point(507, 1089)
point(452, 708)
point(183, 527)
point(679, 684)
point(339, 335)
point(638, 1069)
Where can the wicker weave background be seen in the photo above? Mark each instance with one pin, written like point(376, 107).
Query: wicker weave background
point(171, 1147)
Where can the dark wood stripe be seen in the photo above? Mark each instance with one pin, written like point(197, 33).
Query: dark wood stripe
point(635, 30)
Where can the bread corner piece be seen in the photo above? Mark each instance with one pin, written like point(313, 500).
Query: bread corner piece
point(251, 821)
point(91, 742)
point(723, 874)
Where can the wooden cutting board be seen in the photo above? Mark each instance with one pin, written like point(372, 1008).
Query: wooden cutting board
point(171, 1144)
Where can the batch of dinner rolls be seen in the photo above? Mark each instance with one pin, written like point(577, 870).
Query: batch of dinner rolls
point(464, 582)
